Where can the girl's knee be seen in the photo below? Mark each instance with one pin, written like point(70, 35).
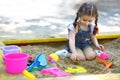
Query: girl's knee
point(90, 56)
point(82, 58)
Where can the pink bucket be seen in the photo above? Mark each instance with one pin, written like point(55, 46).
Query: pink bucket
point(15, 63)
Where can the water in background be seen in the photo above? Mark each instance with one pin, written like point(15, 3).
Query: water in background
point(25, 19)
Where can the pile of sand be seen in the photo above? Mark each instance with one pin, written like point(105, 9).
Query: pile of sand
point(112, 47)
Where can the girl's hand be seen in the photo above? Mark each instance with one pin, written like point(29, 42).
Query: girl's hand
point(73, 57)
point(100, 47)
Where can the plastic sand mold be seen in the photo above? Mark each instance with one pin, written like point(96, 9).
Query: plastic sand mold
point(78, 69)
point(54, 71)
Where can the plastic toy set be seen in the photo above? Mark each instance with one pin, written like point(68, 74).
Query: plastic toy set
point(17, 62)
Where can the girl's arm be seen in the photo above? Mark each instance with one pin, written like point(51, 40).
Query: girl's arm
point(72, 41)
point(74, 53)
point(95, 42)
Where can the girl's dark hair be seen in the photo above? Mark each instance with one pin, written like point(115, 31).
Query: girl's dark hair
point(90, 10)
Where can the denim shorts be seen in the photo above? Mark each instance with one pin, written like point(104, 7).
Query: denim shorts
point(81, 46)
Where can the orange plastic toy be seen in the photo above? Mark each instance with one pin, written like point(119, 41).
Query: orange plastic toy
point(107, 64)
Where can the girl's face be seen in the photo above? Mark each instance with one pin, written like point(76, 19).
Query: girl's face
point(85, 20)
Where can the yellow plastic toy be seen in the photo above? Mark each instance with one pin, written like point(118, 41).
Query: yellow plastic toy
point(78, 69)
point(0, 56)
point(54, 56)
point(28, 75)
point(20, 50)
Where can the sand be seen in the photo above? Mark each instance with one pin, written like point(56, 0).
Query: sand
point(112, 47)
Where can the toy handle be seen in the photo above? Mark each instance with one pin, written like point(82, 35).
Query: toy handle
point(54, 64)
point(29, 75)
point(52, 61)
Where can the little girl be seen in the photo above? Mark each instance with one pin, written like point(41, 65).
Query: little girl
point(82, 34)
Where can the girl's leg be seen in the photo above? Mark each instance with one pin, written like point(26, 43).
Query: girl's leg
point(81, 55)
point(89, 53)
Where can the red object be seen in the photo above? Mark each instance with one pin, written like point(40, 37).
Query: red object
point(31, 58)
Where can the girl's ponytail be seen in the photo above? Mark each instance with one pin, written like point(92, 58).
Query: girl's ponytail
point(95, 31)
point(75, 23)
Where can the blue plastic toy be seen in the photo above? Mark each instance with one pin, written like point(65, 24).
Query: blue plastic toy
point(40, 62)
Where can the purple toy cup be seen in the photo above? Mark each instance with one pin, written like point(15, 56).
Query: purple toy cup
point(15, 63)
point(10, 49)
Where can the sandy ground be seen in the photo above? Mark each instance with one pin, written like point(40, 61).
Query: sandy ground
point(112, 47)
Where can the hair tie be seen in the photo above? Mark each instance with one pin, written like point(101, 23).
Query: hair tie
point(96, 27)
